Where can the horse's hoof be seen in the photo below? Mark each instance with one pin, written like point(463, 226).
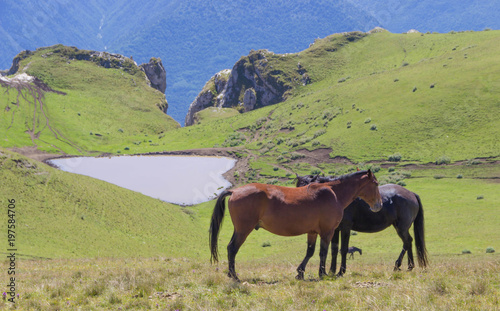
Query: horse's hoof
point(233, 276)
point(300, 277)
point(339, 275)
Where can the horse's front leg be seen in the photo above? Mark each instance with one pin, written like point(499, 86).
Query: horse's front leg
point(311, 245)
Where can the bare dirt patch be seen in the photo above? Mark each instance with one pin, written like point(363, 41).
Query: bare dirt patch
point(35, 154)
point(320, 155)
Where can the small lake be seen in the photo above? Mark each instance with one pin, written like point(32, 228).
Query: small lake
point(183, 180)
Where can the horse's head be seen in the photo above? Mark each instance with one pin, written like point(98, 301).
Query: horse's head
point(305, 180)
point(369, 191)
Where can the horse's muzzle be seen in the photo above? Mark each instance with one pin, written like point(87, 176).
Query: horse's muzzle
point(377, 206)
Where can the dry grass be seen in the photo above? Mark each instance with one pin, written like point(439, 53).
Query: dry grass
point(451, 283)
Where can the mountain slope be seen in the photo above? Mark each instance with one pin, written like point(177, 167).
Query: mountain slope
point(423, 96)
point(198, 38)
point(60, 214)
point(70, 102)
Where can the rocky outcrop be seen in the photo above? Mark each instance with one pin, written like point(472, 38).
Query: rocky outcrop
point(202, 101)
point(260, 79)
point(209, 96)
point(255, 72)
point(156, 74)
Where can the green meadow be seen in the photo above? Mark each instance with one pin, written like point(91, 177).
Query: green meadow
point(420, 110)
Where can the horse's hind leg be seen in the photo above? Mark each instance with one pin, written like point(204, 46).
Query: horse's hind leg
point(232, 249)
point(407, 247)
point(335, 251)
point(344, 247)
point(397, 264)
point(323, 252)
point(311, 245)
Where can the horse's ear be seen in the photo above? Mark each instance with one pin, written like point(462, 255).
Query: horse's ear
point(370, 174)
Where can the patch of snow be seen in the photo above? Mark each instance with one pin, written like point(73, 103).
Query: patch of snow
point(23, 77)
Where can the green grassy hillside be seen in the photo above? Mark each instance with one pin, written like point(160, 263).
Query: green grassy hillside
point(423, 96)
point(60, 214)
point(95, 109)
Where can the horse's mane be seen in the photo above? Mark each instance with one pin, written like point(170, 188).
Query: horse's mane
point(309, 179)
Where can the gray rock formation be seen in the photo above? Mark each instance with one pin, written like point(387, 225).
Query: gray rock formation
point(156, 74)
point(202, 101)
point(255, 81)
point(209, 96)
point(251, 72)
point(249, 99)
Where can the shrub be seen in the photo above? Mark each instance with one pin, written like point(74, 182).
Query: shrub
point(472, 162)
point(490, 250)
point(401, 183)
point(275, 168)
point(319, 133)
point(373, 127)
point(234, 139)
point(438, 176)
point(315, 171)
point(296, 155)
point(459, 176)
point(343, 79)
point(395, 157)
point(391, 169)
point(466, 251)
point(443, 160)
point(260, 121)
point(480, 197)
point(266, 244)
point(368, 120)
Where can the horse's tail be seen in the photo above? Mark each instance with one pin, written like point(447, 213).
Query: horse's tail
point(215, 224)
point(418, 229)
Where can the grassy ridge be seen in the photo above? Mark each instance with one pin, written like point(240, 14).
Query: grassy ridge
point(104, 110)
point(363, 98)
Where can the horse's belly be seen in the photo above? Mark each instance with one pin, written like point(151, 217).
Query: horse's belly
point(288, 229)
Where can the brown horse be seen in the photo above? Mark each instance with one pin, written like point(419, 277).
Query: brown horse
point(316, 209)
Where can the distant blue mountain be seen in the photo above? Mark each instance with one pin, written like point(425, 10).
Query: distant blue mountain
point(197, 38)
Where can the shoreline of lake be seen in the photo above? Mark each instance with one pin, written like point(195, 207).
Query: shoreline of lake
point(187, 180)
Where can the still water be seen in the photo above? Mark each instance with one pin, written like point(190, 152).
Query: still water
point(183, 180)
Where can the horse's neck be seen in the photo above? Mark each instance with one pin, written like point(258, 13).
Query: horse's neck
point(346, 190)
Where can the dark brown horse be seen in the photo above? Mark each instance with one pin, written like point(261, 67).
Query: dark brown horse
point(401, 208)
point(315, 209)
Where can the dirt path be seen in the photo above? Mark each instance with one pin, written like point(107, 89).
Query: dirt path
point(27, 85)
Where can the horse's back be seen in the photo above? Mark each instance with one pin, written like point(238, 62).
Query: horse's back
point(285, 210)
